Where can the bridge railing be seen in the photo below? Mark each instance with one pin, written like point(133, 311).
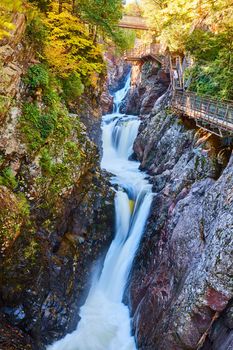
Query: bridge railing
point(216, 113)
point(143, 51)
point(134, 22)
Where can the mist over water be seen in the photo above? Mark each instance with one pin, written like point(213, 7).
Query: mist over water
point(105, 320)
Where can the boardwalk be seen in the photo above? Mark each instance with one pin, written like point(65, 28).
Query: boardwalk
point(133, 22)
point(212, 115)
point(144, 53)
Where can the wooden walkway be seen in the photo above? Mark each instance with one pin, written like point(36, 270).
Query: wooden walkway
point(145, 53)
point(133, 22)
point(212, 115)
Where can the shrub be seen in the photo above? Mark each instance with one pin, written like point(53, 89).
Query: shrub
point(46, 163)
point(47, 123)
point(23, 205)
point(36, 31)
point(4, 105)
point(213, 73)
point(72, 87)
point(7, 178)
point(203, 81)
point(37, 125)
point(29, 124)
point(50, 97)
point(31, 251)
point(37, 77)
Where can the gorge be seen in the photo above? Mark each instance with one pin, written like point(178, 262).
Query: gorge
point(116, 211)
point(105, 320)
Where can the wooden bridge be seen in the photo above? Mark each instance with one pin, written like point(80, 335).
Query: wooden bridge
point(133, 22)
point(147, 52)
point(212, 115)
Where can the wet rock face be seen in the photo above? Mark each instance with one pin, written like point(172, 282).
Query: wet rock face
point(49, 241)
point(117, 72)
point(11, 338)
point(221, 335)
point(41, 293)
point(181, 281)
point(106, 103)
point(148, 83)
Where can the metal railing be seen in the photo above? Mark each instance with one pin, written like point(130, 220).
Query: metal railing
point(213, 113)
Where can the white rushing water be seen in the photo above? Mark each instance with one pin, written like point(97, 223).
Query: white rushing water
point(105, 320)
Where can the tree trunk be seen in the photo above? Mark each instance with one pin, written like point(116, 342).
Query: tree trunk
point(60, 6)
point(95, 35)
point(73, 6)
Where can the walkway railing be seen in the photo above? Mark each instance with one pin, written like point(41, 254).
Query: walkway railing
point(143, 51)
point(133, 22)
point(213, 115)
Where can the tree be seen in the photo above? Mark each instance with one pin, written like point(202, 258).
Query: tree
point(43, 5)
point(133, 9)
point(103, 16)
point(7, 9)
point(174, 21)
point(69, 50)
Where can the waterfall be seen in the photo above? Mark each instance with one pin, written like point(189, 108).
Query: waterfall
point(105, 321)
point(121, 94)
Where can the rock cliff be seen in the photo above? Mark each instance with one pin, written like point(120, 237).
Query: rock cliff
point(56, 209)
point(56, 212)
point(117, 70)
point(180, 289)
point(148, 83)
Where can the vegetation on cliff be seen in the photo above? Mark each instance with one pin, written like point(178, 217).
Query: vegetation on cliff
point(203, 29)
point(7, 7)
point(67, 38)
point(56, 209)
point(59, 46)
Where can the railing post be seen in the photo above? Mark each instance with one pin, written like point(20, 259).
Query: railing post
point(207, 110)
point(226, 114)
point(195, 106)
point(216, 111)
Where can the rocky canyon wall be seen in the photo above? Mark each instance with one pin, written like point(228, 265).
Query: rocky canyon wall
point(180, 291)
point(56, 214)
point(148, 83)
point(56, 209)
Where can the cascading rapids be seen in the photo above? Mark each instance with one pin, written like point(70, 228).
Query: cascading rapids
point(105, 320)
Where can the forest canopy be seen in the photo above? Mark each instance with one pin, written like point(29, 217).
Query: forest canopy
point(70, 36)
